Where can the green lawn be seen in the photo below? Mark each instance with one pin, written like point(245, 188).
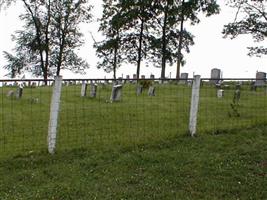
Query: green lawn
point(138, 148)
point(87, 122)
point(224, 166)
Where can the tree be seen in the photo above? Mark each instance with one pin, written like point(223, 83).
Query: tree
point(251, 19)
point(139, 14)
point(171, 36)
point(50, 36)
point(111, 25)
point(189, 11)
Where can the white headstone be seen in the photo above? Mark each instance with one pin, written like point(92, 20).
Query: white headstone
point(220, 93)
point(116, 93)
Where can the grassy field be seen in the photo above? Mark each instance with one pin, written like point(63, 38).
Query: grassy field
point(225, 166)
point(137, 148)
point(95, 122)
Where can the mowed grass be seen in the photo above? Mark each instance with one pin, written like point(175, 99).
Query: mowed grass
point(138, 148)
point(228, 166)
point(135, 120)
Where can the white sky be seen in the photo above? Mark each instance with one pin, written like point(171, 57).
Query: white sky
point(210, 49)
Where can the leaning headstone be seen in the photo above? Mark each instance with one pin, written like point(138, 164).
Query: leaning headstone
point(260, 79)
point(220, 93)
point(116, 93)
point(19, 92)
point(83, 89)
point(151, 91)
point(215, 75)
point(184, 77)
point(139, 90)
point(119, 81)
point(93, 89)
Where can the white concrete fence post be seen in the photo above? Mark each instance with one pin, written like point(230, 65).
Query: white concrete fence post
point(54, 111)
point(194, 105)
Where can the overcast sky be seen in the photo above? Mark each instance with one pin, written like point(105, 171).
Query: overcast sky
point(210, 49)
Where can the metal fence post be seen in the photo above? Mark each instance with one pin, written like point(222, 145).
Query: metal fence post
point(54, 111)
point(194, 105)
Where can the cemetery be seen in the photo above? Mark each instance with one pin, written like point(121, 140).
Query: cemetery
point(110, 112)
point(117, 133)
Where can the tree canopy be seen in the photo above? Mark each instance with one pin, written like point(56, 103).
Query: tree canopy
point(251, 19)
point(49, 37)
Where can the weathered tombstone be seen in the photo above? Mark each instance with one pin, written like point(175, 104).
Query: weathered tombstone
point(83, 89)
point(220, 93)
point(19, 92)
point(143, 76)
point(119, 81)
point(151, 91)
point(127, 78)
point(10, 93)
point(260, 79)
point(215, 75)
point(139, 90)
point(184, 77)
point(93, 90)
point(33, 85)
point(152, 76)
point(116, 93)
point(134, 77)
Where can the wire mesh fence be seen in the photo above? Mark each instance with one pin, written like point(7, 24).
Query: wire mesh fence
point(100, 112)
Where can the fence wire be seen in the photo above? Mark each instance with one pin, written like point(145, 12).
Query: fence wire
point(150, 111)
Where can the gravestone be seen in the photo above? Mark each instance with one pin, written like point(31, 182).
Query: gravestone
point(139, 90)
point(127, 78)
point(143, 76)
point(152, 76)
point(151, 91)
point(220, 93)
point(134, 77)
point(119, 81)
point(215, 75)
point(19, 92)
point(116, 93)
point(184, 77)
point(93, 90)
point(260, 79)
point(83, 89)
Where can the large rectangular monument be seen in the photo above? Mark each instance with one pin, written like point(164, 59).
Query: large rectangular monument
point(215, 75)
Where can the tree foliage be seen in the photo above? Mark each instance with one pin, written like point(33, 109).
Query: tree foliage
point(111, 26)
point(50, 35)
point(251, 19)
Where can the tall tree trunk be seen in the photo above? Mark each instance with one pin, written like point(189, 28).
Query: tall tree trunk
point(164, 42)
point(47, 42)
point(115, 63)
point(140, 49)
point(179, 55)
point(38, 37)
